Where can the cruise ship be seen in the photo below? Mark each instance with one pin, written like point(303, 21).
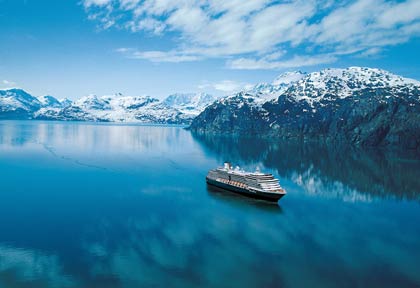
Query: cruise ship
point(252, 184)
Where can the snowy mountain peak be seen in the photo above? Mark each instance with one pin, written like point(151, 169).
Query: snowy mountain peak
point(65, 102)
point(341, 83)
point(263, 92)
point(363, 106)
point(288, 78)
point(360, 76)
point(263, 88)
point(316, 89)
point(131, 102)
point(15, 99)
point(49, 101)
point(190, 103)
point(19, 94)
point(92, 102)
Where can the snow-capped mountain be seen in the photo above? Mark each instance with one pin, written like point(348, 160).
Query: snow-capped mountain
point(50, 101)
point(245, 103)
point(365, 106)
point(65, 102)
point(287, 78)
point(116, 108)
point(176, 108)
point(330, 84)
point(259, 94)
point(17, 104)
point(263, 92)
point(189, 103)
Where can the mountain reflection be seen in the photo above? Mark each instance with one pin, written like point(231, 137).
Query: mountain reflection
point(348, 171)
point(219, 243)
point(148, 219)
point(84, 137)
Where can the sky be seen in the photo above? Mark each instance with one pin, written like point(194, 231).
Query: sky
point(73, 48)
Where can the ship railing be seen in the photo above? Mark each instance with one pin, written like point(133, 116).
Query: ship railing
point(233, 183)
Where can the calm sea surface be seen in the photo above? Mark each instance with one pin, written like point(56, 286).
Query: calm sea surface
point(86, 205)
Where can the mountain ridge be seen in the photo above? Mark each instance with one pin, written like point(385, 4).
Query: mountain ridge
point(18, 104)
point(359, 105)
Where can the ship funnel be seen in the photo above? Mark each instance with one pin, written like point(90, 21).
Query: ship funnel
point(227, 166)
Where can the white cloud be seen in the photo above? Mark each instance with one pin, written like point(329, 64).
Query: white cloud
point(369, 23)
point(148, 24)
point(226, 86)
point(129, 4)
point(251, 31)
point(371, 52)
point(400, 13)
point(6, 84)
point(158, 56)
point(89, 3)
point(296, 61)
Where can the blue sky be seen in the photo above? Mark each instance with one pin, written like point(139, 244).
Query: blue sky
point(158, 47)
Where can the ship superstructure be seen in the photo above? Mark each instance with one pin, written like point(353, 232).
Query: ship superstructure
point(253, 184)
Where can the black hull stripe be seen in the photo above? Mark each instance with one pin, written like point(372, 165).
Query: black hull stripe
point(245, 192)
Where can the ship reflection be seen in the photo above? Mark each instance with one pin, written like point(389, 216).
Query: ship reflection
point(242, 202)
point(324, 169)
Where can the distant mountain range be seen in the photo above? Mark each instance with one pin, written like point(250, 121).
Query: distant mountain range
point(363, 106)
point(175, 109)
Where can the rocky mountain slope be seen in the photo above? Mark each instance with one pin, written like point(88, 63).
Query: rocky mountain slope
point(364, 106)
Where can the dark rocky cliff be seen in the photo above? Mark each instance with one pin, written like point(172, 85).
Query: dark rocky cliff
point(378, 109)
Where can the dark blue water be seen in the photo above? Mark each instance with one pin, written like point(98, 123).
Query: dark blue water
point(85, 205)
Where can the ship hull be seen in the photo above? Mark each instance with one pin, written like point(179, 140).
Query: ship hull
point(272, 197)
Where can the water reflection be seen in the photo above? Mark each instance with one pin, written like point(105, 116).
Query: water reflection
point(210, 244)
point(88, 136)
point(235, 199)
point(336, 171)
point(146, 217)
point(28, 268)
